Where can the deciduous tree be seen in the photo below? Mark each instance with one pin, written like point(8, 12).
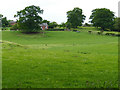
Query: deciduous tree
point(29, 19)
point(75, 17)
point(5, 23)
point(103, 18)
point(53, 24)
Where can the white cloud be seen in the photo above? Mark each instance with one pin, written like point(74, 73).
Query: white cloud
point(55, 10)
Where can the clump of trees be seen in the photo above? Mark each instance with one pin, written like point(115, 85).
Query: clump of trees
point(14, 27)
point(29, 19)
point(62, 25)
point(117, 24)
point(75, 18)
point(46, 21)
point(4, 22)
point(103, 18)
point(52, 25)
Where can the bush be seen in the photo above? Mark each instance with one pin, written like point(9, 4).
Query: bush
point(99, 33)
point(107, 33)
point(117, 35)
point(52, 25)
point(55, 29)
point(74, 30)
point(112, 34)
point(14, 27)
point(3, 28)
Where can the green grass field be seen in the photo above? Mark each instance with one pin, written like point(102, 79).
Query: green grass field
point(59, 59)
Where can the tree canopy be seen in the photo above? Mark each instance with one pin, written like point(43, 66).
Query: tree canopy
point(117, 24)
point(5, 22)
point(75, 17)
point(62, 25)
point(46, 21)
point(103, 18)
point(53, 24)
point(29, 19)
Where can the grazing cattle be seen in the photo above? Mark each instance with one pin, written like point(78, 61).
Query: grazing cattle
point(90, 32)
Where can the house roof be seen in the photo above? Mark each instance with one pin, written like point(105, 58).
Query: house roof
point(44, 24)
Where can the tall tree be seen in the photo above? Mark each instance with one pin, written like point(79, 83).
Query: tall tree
point(29, 19)
point(5, 23)
point(103, 18)
point(75, 17)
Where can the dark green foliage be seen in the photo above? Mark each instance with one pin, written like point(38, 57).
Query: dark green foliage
point(75, 17)
point(103, 18)
point(46, 21)
point(14, 27)
point(29, 19)
point(69, 25)
point(53, 25)
point(55, 30)
point(5, 23)
point(117, 24)
point(62, 24)
point(87, 25)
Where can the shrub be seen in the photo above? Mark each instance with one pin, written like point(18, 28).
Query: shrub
point(99, 33)
point(117, 35)
point(74, 30)
point(107, 33)
point(14, 27)
point(55, 29)
point(3, 28)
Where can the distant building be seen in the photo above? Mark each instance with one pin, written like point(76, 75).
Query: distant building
point(44, 26)
point(12, 22)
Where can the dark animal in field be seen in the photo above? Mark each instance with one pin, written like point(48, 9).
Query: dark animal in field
point(90, 32)
point(112, 34)
point(78, 31)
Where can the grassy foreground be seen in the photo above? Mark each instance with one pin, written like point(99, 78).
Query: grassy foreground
point(59, 59)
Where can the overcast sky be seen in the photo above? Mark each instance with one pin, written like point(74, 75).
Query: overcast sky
point(55, 10)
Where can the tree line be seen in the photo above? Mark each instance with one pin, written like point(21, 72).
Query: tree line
point(29, 19)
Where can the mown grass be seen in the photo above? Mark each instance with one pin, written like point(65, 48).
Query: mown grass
point(59, 59)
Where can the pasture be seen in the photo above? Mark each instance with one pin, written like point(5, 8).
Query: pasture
point(59, 59)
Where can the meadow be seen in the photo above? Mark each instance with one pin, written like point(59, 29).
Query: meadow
point(59, 59)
